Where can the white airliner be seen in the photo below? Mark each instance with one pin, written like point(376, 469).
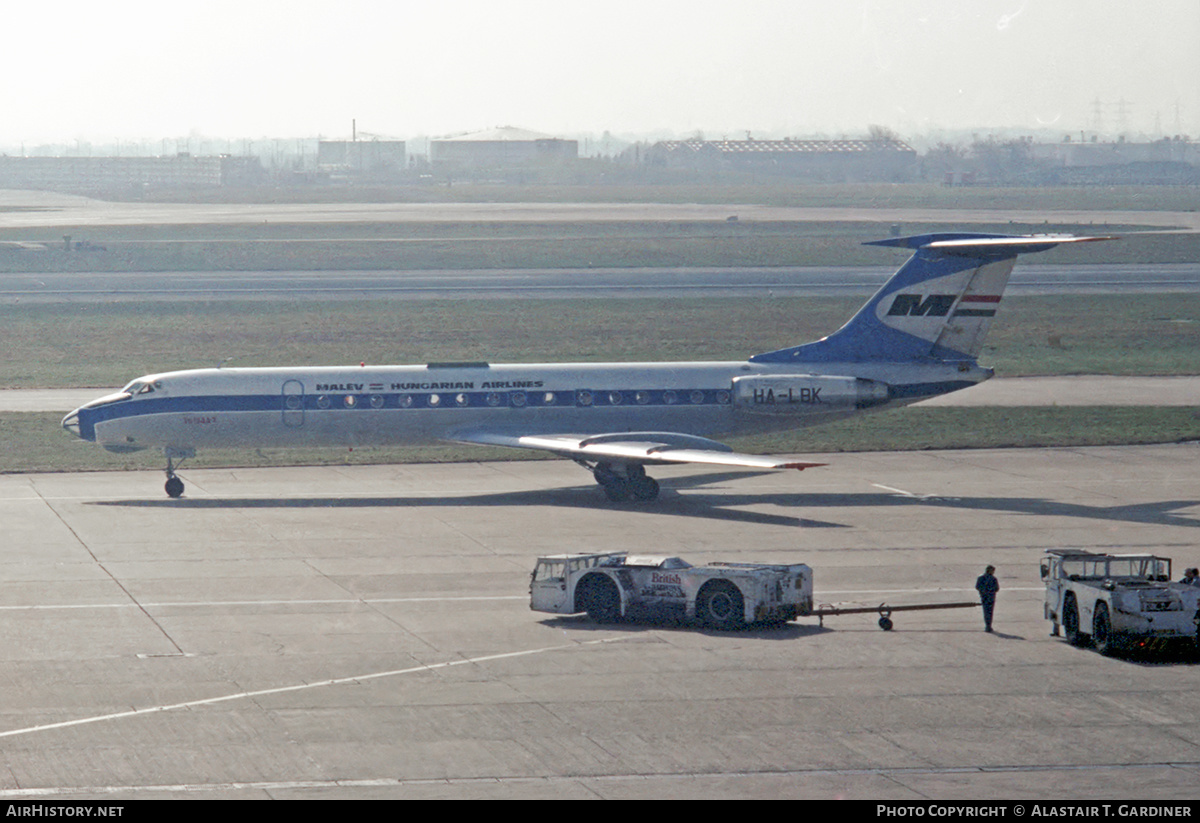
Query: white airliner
point(918, 337)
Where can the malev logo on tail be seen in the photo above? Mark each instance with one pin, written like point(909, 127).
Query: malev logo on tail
point(916, 305)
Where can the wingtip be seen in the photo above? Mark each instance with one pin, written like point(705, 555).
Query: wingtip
point(802, 466)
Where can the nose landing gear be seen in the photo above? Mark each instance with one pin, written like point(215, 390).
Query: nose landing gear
point(174, 486)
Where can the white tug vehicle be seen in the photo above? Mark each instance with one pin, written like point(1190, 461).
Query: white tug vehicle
point(612, 586)
point(1118, 601)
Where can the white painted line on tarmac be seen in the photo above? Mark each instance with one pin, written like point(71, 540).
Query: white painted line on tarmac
point(337, 681)
point(375, 601)
point(347, 601)
point(558, 781)
point(903, 493)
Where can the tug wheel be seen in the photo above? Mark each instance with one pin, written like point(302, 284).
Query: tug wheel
point(1071, 621)
point(598, 596)
point(1102, 634)
point(720, 605)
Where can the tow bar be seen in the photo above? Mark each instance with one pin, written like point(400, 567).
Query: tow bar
point(885, 611)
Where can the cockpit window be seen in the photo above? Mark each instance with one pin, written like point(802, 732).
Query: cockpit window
point(139, 387)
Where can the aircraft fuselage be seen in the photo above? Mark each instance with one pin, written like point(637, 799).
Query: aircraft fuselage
point(408, 405)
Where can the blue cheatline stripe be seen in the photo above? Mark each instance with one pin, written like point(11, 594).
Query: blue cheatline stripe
point(579, 398)
point(448, 400)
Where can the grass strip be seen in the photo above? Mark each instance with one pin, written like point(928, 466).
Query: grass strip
point(548, 245)
point(96, 344)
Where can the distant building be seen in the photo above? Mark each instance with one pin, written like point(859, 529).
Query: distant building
point(501, 148)
point(1170, 161)
point(361, 157)
point(74, 174)
point(1094, 153)
point(822, 160)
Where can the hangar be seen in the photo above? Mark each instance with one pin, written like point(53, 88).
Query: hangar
point(500, 148)
point(362, 157)
point(822, 160)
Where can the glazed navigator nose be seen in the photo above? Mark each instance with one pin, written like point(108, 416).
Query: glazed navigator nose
point(82, 421)
point(71, 423)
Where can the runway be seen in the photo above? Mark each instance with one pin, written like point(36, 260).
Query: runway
point(365, 633)
point(28, 209)
point(624, 284)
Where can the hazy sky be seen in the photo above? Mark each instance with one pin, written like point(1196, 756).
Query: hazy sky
point(135, 69)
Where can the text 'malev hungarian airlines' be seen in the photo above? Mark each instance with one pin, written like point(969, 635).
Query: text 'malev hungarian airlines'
point(917, 338)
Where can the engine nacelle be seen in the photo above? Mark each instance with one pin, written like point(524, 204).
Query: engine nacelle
point(790, 394)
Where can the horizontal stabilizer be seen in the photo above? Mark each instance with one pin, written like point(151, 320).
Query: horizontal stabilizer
point(976, 244)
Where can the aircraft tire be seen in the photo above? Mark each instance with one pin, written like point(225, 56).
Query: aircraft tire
point(616, 489)
point(174, 487)
point(644, 488)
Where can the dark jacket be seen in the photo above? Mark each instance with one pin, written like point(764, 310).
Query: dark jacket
point(987, 585)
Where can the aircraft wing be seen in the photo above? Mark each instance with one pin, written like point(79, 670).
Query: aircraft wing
point(636, 447)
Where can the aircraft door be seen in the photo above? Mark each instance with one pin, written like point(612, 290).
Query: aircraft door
point(293, 404)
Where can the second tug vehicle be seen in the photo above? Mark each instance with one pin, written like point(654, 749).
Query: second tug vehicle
point(1119, 601)
point(917, 338)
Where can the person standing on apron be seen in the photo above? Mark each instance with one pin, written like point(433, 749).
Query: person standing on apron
point(987, 586)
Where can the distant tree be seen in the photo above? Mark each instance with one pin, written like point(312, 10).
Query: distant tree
point(1002, 160)
point(944, 159)
point(882, 134)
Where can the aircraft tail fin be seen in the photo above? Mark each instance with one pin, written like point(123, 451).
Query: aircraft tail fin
point(938, 306)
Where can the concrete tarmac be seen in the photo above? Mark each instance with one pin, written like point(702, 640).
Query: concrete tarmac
point(364, 632)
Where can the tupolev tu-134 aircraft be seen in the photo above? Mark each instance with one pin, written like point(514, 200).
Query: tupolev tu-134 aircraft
point(917, 338)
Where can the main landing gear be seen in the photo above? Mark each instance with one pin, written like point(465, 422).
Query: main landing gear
point(625, 481)
point(174, 486)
